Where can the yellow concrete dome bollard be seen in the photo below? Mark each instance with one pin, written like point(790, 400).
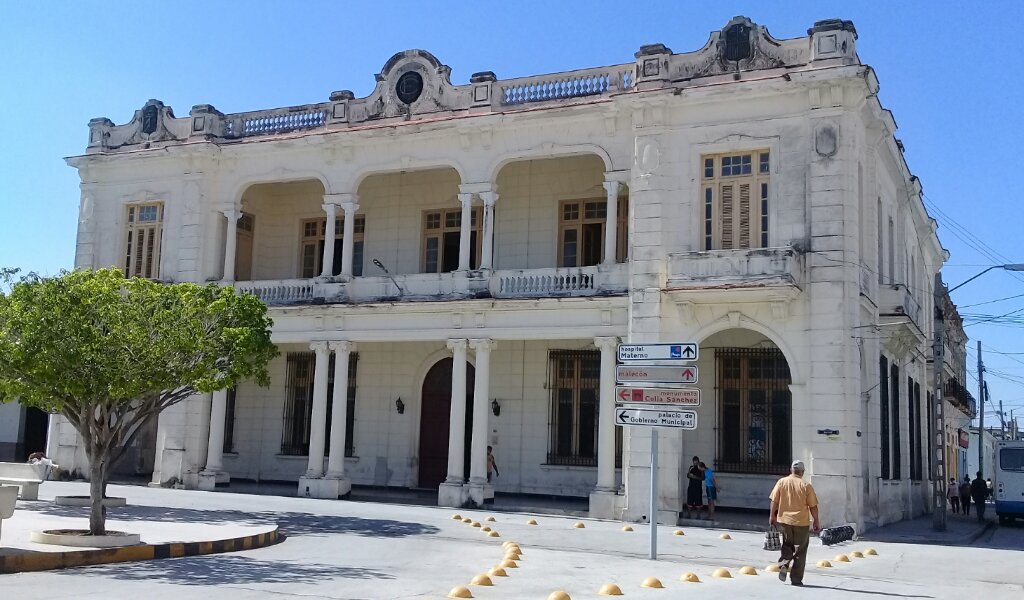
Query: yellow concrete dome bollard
point(841, 558)
point(558, 595)
point(513, 556)
point(748, 570)
point(627, 528)
point(773, 568)
point(609, 589)
point(475, 524)
point(491, 519)
point(492, 534)
point(678, 532)
point(508, 543)
point(690, 577)
point(508, 564)
point(722, 573)
point(725, 536)
point(467, 520)
point(531, 522)
point(483, 580)
point(857, 554)
point(870, 552)
point(485, 529)
point(457, 517)
point(652, 582)
point(460, 591)
point(824, 564)
point(579, 525)
point(497, 572)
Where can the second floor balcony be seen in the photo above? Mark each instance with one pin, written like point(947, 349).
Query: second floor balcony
point(753, 274)
point(959, 397)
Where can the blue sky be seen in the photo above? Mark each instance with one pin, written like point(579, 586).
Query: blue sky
point(949, 71)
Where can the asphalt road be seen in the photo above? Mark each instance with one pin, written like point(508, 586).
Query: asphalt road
point(361, 550)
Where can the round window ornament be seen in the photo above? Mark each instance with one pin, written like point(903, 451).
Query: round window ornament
point(409, 87)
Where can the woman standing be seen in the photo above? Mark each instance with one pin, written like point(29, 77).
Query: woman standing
point(953, 493)
point(694, 488)
point(965, 495)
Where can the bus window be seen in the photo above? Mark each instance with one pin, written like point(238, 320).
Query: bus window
point(1011, 459)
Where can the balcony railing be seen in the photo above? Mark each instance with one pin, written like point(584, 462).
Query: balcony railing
point(959, 397)
point(279, 291)
point(757, 267)
point(896, 299)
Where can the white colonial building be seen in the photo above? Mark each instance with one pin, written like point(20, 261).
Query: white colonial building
point(450, 267)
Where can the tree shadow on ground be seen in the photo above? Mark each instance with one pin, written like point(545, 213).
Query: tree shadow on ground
point(290, 523)
point(225, 570)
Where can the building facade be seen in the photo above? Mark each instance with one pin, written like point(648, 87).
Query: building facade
point(450, 267)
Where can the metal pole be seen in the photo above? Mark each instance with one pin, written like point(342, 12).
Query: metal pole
point(981, 414)
point(653, 518)
point(1002, 417)
point(937, 424)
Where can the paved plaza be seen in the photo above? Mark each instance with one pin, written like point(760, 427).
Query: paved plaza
point(338, 549)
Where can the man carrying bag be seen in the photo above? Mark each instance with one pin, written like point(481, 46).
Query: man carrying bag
point(794, 511)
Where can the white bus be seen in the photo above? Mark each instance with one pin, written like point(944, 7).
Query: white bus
point(1009, 480)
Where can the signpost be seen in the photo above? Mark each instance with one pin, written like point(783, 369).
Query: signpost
point(647, 417)
point(634, 378)
point(678, 396)
point(646, 374)
point(686, 351)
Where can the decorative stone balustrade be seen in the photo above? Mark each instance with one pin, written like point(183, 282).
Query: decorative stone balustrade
point(757, 267)
point(535, 283)
point(561, 86)
point(280, 291)
point(279, 120)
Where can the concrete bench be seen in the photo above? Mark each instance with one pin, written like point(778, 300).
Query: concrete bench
point(8, 496)
point(25, 476)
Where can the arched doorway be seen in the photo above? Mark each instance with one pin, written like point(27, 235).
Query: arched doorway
point(435, 415)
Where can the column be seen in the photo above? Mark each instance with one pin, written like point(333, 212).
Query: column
point(318, 422)
point(230, 243)
point(457, 421)
point(605, 416)
point(348, 240)
point(329, 234)
point(481, 410)
point(611, 222)
point(339, 412)
point(465, 227)
point(486, 255)
point(215, 450)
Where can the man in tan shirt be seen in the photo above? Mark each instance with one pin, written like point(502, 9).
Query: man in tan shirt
point(794, 511)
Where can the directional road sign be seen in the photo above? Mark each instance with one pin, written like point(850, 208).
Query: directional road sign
point(645, 417)
point(649, 374)
point(680, 396)
point(686, 351)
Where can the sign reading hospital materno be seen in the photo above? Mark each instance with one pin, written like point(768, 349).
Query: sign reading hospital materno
point(684, 351)
point(679, 396)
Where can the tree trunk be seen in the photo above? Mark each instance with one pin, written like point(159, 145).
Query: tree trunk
point(97, 490)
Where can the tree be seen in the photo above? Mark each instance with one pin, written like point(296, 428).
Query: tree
point(110, 354)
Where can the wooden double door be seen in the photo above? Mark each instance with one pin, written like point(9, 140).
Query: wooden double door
point(435, 421)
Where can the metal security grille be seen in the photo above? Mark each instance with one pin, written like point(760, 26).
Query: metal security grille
point(229, 422)
point(755, 410)
point(298, 407)
point(574, 378)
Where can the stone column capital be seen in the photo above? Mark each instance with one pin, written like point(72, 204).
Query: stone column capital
point(233, 213)
point(620, 177)
point(342, 346)
point(489, 198)
point(330, 209)
point(319, 346)
point(606, 343)
point(466, 198)
point(611, 188)
point(485, 345)
point(456, 345)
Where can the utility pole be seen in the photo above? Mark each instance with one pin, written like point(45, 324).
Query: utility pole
point(981, 413)
point(937, 424)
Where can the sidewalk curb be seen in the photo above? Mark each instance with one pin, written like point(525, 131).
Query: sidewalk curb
point(47, 561)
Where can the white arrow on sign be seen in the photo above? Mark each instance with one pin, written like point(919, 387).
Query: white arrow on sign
point(681, 396)
point(682, 351)
point(645, 417)
point(652, 374)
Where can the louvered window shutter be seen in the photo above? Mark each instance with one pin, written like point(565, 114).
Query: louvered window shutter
point(744, 216)
point(727, 216)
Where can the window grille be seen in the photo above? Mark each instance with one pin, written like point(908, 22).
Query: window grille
point(298, 408)
point(755, 410)
point(575, 381)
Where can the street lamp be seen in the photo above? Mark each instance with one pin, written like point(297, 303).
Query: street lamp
point(1007, 267)
point(938, 425)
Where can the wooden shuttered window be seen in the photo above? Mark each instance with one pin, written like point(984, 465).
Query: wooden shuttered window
point(144, 233)
point(736, 203)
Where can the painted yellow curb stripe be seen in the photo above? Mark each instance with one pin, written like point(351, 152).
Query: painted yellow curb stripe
point(46, 561)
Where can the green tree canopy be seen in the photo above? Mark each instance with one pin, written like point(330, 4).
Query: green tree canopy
point(110, 353)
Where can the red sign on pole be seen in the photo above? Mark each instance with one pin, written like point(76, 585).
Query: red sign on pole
point(678, 396)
